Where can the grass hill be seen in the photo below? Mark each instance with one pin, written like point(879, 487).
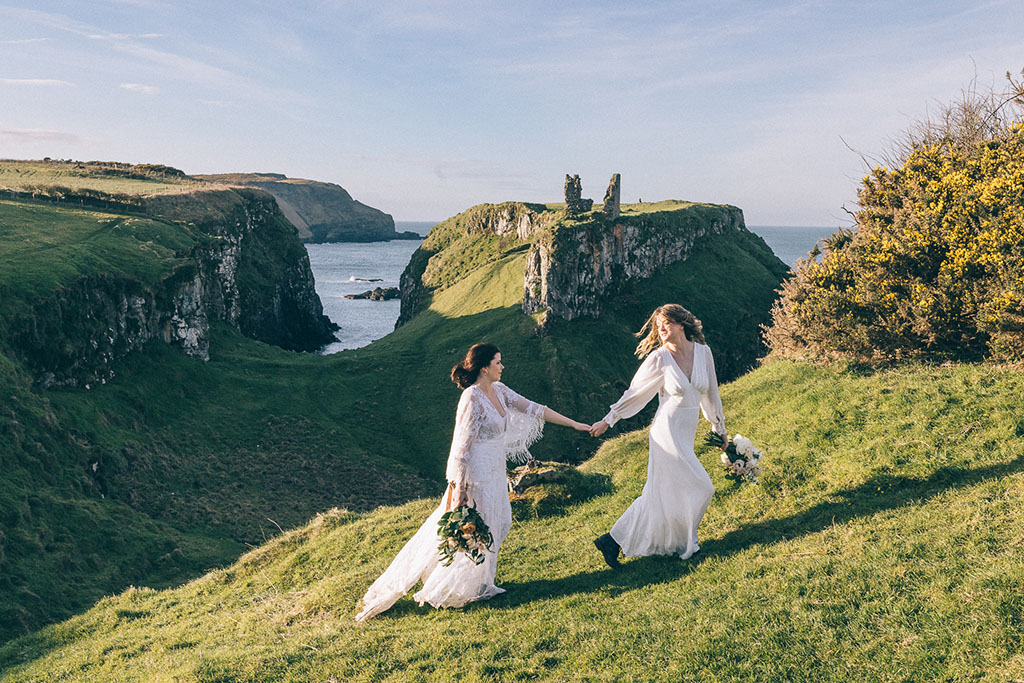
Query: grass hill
point(883, 544)
point(175, 465)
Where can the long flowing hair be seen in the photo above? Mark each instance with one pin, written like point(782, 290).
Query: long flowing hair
point(477, 358)
point(648, 334)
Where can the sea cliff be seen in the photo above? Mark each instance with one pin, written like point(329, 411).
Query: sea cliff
point(587, 267)
point(218, 255)
point(322, 212)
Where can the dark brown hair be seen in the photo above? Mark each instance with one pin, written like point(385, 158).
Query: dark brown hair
point(478, 357)
point(650, 340)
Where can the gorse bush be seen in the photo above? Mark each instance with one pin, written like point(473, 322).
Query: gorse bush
point(934, 267)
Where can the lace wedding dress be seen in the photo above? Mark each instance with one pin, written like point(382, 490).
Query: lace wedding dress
point(484, 439)
point(664, 519)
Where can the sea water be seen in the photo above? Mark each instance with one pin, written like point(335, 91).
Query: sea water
point(344, 268)
point(341, 268)
point(791, 242)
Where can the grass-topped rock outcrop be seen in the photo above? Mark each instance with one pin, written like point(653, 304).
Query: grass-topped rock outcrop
point(322, 212)
point(83, 287)
point(579, 266)
point(458, 245)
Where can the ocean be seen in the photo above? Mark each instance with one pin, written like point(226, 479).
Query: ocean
point(791, 242)
point(352, 268)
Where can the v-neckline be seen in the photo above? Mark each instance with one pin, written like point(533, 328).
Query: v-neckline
point(496, 408)
point(693, 364)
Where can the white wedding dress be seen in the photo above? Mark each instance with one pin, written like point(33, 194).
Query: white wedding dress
point(664, 519)
point(483, 441)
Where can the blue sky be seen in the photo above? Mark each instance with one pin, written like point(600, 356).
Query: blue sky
point(423, 109)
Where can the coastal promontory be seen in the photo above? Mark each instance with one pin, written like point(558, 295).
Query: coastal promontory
point(322, 212)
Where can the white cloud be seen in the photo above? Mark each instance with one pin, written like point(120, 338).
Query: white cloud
point(38, 135)
point(139, 88)
point(23, 41)
point(37, 82)
point(124, 36)
point(184, 66)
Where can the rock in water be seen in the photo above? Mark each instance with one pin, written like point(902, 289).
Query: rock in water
point(377, 294)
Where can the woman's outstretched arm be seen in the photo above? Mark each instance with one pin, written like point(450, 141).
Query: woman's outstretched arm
point(525, 405)
point(559, 419)
point(645, 385)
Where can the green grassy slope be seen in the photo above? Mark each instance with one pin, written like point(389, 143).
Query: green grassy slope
point(106, 177)
point(883, 544)
point(44, 247)
point(181, 463)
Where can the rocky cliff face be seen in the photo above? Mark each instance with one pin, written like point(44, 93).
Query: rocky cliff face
point(322, 212)
point(570, 270)
point(476, 236)
point(247, 268)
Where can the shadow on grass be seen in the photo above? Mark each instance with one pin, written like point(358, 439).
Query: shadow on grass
point(873, 496)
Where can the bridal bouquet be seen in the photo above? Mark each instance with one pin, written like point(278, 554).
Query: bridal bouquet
point(463, 530)
point(740, 458)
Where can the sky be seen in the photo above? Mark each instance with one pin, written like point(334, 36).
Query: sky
point(423, 109)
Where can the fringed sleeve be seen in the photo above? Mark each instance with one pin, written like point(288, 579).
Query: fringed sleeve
point(525, 424)
point(468, 417)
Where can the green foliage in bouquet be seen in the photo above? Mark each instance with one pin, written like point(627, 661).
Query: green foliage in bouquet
point(463, 530)
point(934, 268)
point(741, 460)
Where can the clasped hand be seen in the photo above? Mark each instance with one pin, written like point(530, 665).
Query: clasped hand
point(596, 429)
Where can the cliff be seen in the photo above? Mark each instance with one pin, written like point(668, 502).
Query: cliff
point(322, 212)
point(480, 235)
point(592, 269)
point(579, 264)
point(185, 261)
point(168, 468)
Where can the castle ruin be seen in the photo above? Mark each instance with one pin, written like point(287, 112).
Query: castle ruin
point(611, 198)
point(576, 205)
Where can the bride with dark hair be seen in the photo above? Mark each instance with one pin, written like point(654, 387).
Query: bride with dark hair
point(493, 425)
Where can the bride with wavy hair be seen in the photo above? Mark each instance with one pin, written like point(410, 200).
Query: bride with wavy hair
point(493, 425)
point(679, 369)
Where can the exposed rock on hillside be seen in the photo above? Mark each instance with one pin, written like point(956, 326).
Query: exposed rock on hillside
point(245, 268)
point(322, 212)
point(572, 269)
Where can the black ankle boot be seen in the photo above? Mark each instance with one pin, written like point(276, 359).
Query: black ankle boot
point(610, 549)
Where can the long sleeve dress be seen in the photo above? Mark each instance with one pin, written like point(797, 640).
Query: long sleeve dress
point(664, 519)
point(483, 440)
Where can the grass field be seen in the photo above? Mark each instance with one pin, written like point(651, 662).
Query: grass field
point(29, 175)
point(883, 544)
point(44, 247)
point(174, 465)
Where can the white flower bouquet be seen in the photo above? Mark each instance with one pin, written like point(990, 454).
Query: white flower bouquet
point(463, 530)
point(740, 458)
